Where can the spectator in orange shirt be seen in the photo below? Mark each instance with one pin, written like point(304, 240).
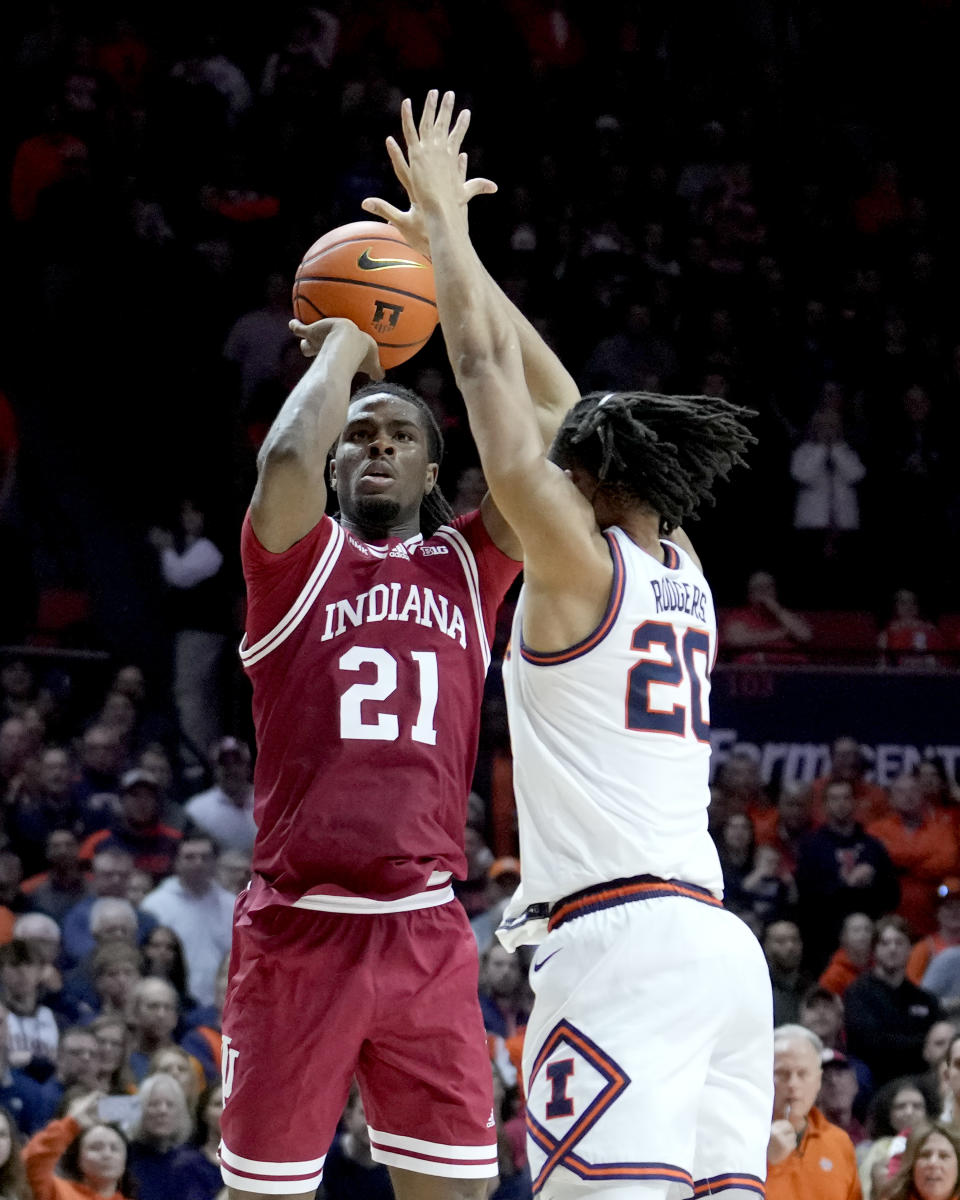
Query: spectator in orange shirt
point(783, 827)
point(945, 935)
point(922, 846)
point(807, 1156)
point(852, 957)
point(847, 763)
point(938, 788)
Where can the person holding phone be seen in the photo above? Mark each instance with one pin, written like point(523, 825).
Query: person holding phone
point(79, 1156)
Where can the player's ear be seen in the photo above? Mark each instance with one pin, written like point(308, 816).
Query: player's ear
point(333, 474)
point(431, 478)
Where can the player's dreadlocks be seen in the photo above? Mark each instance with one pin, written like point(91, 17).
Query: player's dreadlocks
point(434, 508)
point(663, 450)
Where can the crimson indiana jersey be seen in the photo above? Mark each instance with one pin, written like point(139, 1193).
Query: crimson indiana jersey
point(368, 664)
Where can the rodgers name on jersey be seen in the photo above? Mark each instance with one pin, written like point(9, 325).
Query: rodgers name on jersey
point(671, 595)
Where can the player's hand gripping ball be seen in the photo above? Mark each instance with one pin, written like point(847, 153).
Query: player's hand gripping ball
point(366, 272)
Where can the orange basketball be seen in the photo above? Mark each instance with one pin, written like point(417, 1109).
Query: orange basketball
point(367, 272)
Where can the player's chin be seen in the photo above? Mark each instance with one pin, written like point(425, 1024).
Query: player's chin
point(377, 510)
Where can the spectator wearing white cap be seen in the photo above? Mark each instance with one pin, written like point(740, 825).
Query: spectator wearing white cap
point(139, 829)
point(225, 811)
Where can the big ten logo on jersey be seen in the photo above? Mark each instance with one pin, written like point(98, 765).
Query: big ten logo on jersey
point(668, 688)
point(228, 1065)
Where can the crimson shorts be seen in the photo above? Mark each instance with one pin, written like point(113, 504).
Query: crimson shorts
point(317, 998)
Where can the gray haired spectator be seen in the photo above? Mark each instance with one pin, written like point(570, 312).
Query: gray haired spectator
point(176, 1130)
point(160, 1160)
point(112, 868)
point(804, 1145)
point(112, 919)
point(42, 934)
point(112, 922)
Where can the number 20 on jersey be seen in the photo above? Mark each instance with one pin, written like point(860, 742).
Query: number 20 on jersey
point(683, 664)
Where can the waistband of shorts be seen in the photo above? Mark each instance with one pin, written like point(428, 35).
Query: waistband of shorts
point(438, 891)
point(625, 891)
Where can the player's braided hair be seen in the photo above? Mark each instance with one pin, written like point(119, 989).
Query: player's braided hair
point(434, 508)
point(665, 451)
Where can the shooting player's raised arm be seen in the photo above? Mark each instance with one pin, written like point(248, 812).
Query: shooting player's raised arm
point(290, 494)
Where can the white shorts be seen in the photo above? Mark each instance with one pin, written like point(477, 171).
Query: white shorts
point(648, 1059)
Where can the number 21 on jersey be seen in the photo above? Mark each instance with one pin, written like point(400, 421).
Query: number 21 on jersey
point(386, 726)
point(680, 665)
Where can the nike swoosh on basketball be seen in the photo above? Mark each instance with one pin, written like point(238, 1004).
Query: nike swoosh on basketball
point(543, 962)
point(366, 263)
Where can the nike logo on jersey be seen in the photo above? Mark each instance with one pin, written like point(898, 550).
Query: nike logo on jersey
point(543, 962)
point(366, 263)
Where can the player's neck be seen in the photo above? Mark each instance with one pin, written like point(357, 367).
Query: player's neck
point(381, 533)
point(638, 521)
point(644, 531)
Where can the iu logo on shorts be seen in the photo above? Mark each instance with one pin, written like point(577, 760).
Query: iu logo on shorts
point(228, 1062)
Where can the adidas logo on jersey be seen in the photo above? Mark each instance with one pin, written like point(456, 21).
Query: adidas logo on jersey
point(399, 551)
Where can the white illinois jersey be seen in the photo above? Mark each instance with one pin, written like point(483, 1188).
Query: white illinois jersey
point(611, 741)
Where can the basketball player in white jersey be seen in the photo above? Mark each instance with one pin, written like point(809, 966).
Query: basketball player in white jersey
point(648, 1057)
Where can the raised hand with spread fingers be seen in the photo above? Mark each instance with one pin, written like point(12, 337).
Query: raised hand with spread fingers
point(411, 222)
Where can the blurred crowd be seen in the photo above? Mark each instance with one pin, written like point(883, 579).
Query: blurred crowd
point(122, 850)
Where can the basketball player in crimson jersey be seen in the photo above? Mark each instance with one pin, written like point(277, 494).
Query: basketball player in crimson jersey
point(367, 643)
point(648, 1056)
